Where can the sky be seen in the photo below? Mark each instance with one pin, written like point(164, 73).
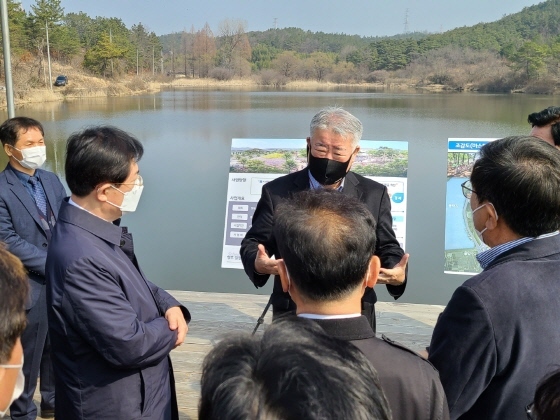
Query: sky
point(353, 17)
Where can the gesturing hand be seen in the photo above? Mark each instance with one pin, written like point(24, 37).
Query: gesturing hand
point(264, 264)
point(394, 276)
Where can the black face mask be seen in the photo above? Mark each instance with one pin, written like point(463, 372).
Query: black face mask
point(326, 171)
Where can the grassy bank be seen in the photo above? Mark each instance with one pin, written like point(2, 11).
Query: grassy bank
point(31, 85)
point(29, 89)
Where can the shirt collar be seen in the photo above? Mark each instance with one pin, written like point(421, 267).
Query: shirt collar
point(73, 214)
point(22, 176)
point(315, 185)
point(484, 258)
point(73, 203)
point(317, 316)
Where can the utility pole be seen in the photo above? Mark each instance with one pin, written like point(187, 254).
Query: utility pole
point(161, 60)
point(153, 60)
point(49, 54)
point(7, 59)
point(136, 61)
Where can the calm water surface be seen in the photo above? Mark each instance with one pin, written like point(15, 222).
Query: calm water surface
point(178, 227)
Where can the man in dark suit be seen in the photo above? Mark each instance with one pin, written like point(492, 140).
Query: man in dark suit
point(327, 242)
point(332, 148)
point(29, 203)
point(499, 333)
point(112, 330)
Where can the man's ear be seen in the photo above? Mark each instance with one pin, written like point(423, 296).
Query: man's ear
point(492, 221)
point(283, 273)
point(101, 191)
point(373, 272)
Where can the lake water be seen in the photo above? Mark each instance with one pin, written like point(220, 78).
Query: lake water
point(178, 227)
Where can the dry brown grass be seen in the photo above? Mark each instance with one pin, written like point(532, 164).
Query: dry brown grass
point(29, 85)
point(206, 83)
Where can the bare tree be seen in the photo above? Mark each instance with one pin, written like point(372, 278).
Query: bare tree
point(204, 50)
point(234, 44)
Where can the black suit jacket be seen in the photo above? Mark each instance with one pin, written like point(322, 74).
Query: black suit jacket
point(499, 334)
point(410, 383)
point(372, 194)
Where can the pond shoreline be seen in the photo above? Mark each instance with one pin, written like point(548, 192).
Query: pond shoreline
point(134, 86)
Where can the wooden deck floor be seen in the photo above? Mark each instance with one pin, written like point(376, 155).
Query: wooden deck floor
point(217, 314)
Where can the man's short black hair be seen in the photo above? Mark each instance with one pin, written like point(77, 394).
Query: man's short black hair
point(544, 117)
point(97, 155)
point(13, 295)
point(295, 372)
point(9, 130)
point(326, 240)
point(550, 115)
point(521, 178)
point(547, 397)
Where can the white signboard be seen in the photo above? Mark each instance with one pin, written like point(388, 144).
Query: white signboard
point(254, 162)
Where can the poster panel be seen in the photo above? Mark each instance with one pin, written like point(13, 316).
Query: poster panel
point(254, 162)
point(461, 240)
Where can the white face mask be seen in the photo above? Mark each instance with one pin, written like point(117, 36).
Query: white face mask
point(18, 388)
point(481, 247)
point(32, 157)
point(131, 198)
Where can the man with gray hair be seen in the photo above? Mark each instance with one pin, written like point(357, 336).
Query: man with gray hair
point(332, 147)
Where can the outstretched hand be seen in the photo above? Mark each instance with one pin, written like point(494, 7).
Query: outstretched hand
point(394, 276)
point(264, 264)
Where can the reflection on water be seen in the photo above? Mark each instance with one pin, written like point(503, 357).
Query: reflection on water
point(178, 226)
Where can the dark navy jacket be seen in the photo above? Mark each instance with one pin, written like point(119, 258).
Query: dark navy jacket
point(499, 334)
point(110, 339)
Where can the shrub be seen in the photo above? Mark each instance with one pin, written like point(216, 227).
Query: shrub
point(272, 78)
point(377, 76)
point(221, 73)
point(137, 84)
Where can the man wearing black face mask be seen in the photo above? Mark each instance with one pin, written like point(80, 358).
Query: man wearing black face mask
point(332, 148)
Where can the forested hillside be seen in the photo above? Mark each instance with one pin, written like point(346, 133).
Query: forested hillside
point(519, 52)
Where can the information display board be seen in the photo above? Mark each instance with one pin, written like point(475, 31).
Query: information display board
point(254, 162)
point(461, 240)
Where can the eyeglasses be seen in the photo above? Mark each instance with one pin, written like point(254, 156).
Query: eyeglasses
point(467, 189)
point(139, 182)
point(530, 412)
